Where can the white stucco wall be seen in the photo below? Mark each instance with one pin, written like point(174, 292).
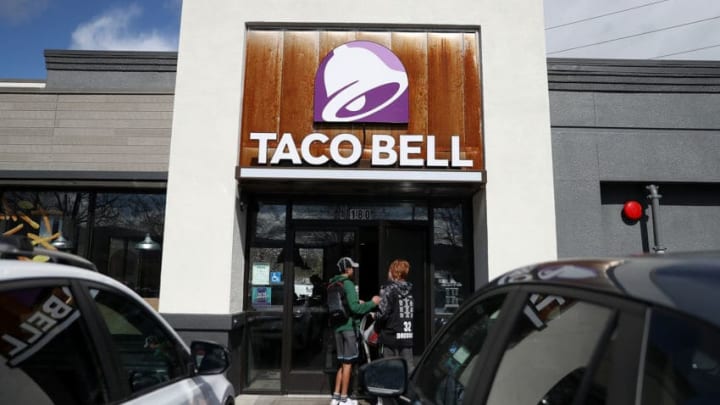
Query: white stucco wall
point(201, 228)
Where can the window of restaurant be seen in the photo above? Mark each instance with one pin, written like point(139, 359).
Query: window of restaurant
point(120, 231)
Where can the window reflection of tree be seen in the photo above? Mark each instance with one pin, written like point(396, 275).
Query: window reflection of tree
point(451, 275)
point(142, 212)
point(448, 226)
point(54, 213)
point(120, 221)
point(270, 222)
point(101, 226)
point(318, 248)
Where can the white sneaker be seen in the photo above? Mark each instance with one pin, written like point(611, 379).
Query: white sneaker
point(349, 401)
point(334, 402)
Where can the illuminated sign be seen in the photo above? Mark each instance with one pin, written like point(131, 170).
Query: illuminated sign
point(383, 150)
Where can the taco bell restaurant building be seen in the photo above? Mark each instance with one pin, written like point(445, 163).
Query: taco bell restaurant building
point(296, 133)
point(373, 130)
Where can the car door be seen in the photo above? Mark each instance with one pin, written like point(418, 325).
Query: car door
point(681, 361)
point(567, 346)
point(534, 345)
point(47, 352)
point(154, 364)
point(445, 372)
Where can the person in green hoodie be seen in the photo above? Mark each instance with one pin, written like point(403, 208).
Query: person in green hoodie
point(346, 337)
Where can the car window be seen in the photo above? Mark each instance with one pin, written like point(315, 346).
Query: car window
point(150, 356)
point(549, 350)
point(445, 373)
point(46, 354)
point(682, 362)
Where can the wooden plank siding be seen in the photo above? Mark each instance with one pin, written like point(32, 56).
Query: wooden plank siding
point(445, 91)
point(264, 54)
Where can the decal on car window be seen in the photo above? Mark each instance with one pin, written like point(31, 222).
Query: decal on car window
point(37, 320)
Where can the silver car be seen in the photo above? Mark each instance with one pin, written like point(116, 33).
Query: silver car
point(69, 335)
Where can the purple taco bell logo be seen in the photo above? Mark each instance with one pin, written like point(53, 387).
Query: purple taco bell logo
point(361, 81)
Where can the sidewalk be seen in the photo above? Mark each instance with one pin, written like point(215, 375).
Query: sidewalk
point(246, 399)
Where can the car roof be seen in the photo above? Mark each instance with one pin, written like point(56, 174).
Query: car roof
point(687, 282)
point(12, 269)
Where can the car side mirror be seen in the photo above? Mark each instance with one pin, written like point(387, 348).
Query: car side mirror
point(210, 357)
point(385, 377)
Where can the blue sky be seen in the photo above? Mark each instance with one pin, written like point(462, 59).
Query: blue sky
point(633, 29)
point(31, 26)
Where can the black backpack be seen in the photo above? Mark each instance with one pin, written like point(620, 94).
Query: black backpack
point(337, 304)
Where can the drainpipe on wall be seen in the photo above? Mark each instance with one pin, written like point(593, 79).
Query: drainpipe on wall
point(654, 198)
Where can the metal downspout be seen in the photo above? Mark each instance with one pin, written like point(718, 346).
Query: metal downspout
point(654, 198)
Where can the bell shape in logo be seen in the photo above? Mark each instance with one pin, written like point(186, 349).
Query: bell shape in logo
point(361, 81)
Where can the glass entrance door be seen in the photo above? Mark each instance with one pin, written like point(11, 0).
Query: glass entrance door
point(315, 254)
point(266, 300)
point(293, 249)
point(316, 251)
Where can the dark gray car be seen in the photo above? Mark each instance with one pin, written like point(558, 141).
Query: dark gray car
point(637, 330)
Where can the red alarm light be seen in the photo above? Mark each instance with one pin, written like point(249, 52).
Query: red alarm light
point(632, 210)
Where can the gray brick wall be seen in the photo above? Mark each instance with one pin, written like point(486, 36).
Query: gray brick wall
point(85, 132)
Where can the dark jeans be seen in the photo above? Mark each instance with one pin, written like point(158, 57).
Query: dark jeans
point(404, 352)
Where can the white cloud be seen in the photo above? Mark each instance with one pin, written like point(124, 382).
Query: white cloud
point(114, 30)
point(18, 11)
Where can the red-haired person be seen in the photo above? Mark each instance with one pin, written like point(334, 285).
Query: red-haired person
point(394, 318)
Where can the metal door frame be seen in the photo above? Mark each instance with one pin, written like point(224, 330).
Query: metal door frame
point(286, 371)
